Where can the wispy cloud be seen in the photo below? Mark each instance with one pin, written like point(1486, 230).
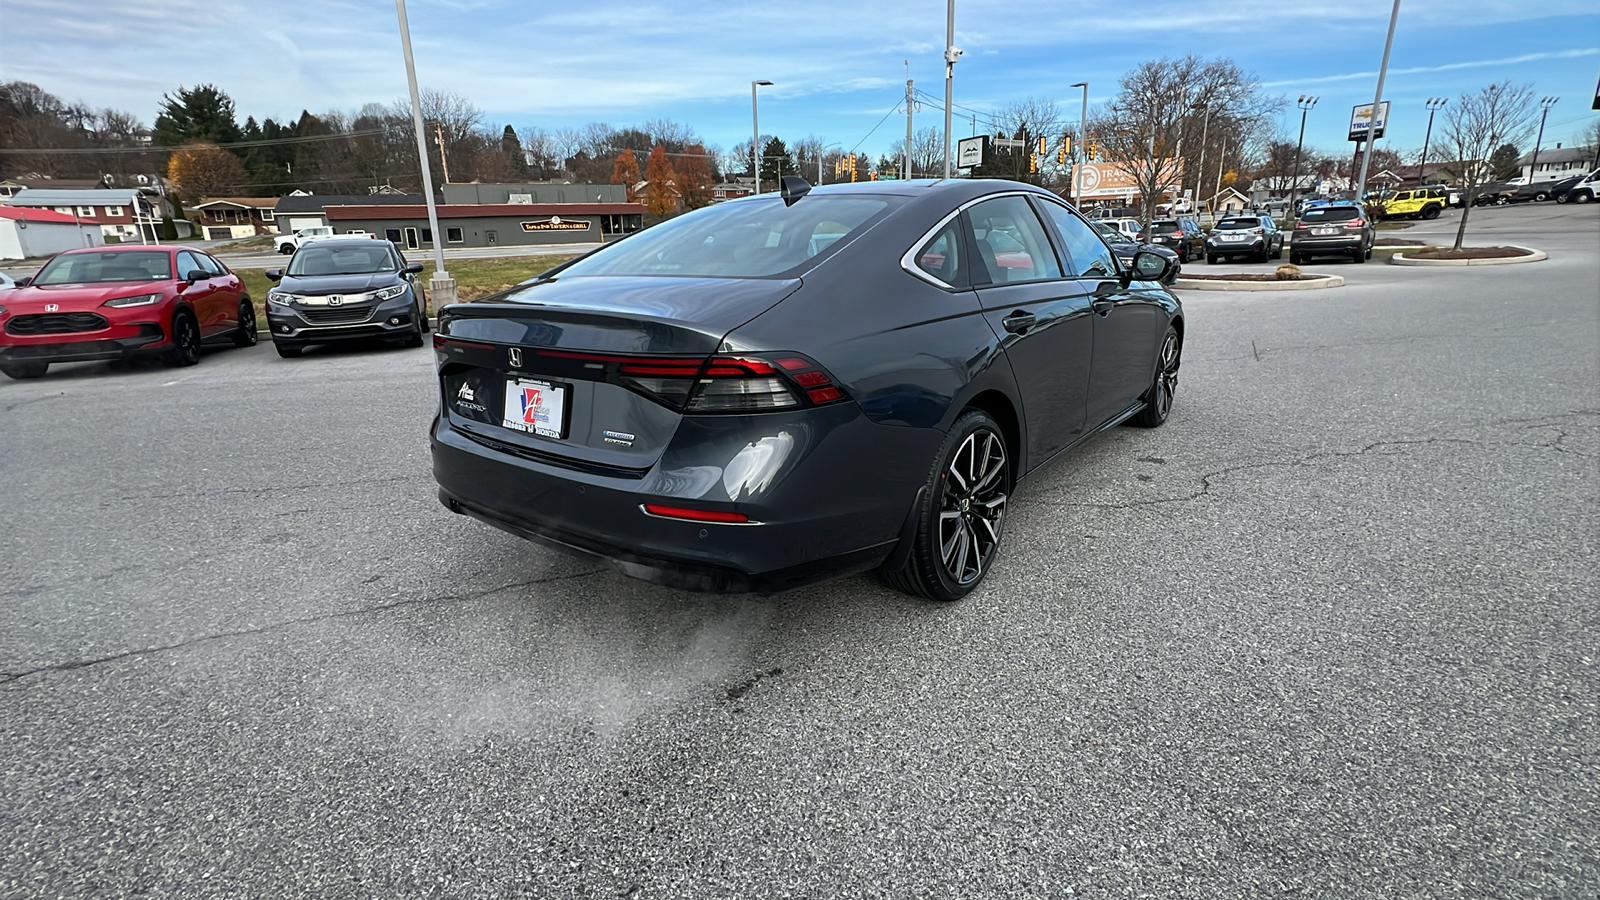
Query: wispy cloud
point(1442, 67)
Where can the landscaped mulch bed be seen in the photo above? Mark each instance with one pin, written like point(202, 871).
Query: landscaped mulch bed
point(1249, 276)
point(1398, 242)
point(1470, 253)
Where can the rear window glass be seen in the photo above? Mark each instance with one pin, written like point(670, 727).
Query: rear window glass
point(1239, 223)
point(1330, 214)
point(1167, 227)
point(109, 265)
point(743, 239)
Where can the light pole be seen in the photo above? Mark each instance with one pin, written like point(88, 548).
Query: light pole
point(1377, 107)
point(951, 54)
point(820, 154)
point(1200, 166)
point(441, 287)
point(1544, 110)
point(755, 139)
point(1083, 145)
point(1434, 105)
point(1306, 103)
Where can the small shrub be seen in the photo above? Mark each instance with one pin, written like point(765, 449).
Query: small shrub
point(1287, 272)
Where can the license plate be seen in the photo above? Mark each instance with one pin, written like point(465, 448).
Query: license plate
point(1324, 232)
point(1235, 237)
point(536, 407)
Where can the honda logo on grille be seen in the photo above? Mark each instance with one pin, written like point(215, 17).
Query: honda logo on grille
point(516, 358)
point(335, 300)
point(52, 307)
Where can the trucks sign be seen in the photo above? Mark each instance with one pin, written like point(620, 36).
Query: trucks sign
point(1363, 125)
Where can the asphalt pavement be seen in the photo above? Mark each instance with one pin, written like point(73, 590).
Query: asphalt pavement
point(1330, 632)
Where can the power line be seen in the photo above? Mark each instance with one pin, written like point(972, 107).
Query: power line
point(892, 110)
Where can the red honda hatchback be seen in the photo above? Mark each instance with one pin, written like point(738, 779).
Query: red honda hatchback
point(110, 303)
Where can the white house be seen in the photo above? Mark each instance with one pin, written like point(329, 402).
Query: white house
point(34, 233)
point(127, 214)
point(1556, 163)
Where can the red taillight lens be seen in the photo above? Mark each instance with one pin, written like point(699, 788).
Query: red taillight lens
point(732, 384)
point(1298, 226)
point(696, 515)
point(1356, 223)
point(1177, 234)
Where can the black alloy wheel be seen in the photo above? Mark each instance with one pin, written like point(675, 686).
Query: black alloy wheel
point(1158, 399)
point(962, 515)
point(185, 340)
point(24, 369)
point(246, 336)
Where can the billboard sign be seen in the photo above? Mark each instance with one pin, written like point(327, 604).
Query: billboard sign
point(1108, 181)
point(971, 151)
point(1365, 126)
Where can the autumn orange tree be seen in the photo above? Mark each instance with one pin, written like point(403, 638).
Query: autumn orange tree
point(694, 177)
point(626, 172)
point(659, 188)
point(203, 169)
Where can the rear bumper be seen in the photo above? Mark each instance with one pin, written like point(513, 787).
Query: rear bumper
point(1342, 244)
point(832, 503)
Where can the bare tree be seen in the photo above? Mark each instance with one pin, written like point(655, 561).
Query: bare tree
point(927, 152)
point(1477, 124)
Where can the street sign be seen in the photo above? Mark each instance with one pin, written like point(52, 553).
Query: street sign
point(1364, 126)
point(971, 151)
point(1009, 143)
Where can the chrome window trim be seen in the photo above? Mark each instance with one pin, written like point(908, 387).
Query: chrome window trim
point(908, 260)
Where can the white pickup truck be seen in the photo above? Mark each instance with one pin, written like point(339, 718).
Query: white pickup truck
point(288, 243)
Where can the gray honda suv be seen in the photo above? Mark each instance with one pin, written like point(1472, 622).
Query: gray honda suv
point(345, 289)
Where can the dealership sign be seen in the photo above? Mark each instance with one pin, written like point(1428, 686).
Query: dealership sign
point(556, 223)
point(1104, 181)
point(1363, 123)
point(970, 151)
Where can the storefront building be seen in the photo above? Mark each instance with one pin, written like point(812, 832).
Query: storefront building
point(492, 225)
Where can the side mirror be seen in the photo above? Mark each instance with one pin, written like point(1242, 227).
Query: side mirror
point(197, 275)
point(413, 268)
point(24, 282)
point(274, 274)
point(1149, 266)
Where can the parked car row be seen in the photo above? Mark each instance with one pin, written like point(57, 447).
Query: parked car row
point(99, 303)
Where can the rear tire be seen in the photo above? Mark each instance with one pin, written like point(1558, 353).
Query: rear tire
point(185, 340)
point(1278, 253)
point(1158, 399)
point(1211, 259)
point(1582, 197)
point(25, 370)
point(1296, 258)
point(962, 515)
point(1430, 212)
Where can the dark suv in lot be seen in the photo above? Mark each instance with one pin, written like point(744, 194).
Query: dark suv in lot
point(1332, 231)
point(345, 289)
point(1182, 235)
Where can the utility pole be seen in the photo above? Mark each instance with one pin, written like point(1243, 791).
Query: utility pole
point(755, 137)
point(909, 101)
point(951, 54)
point(1307, 104)
point(1377, 107)
point(1434, 105)
point(1544, 111)
point(1200, 164)
point(438, 131)
point(442, 288)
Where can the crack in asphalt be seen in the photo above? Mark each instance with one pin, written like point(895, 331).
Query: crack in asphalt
point(12, 677)
point(1206, 479)
point(22, 403)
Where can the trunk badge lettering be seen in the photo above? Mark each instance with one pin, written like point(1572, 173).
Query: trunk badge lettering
point(516, 358)
point(465, 393)
point(618, 437)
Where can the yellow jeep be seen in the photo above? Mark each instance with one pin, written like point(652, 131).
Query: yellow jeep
point(1416, 203)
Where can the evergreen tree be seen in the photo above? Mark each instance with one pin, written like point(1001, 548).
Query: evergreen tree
point(203, 113)
point(1504, 162)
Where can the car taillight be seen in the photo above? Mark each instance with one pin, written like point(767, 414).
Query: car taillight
point(1258, 231)
point(1356, 223)
point(1177, 234)
point(1300, 226)
point(752, 384)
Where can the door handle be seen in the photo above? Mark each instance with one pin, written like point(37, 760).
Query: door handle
point(1018, 322)
point(1103, 305)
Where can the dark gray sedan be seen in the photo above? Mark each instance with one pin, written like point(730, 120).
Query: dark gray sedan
point(786, 387)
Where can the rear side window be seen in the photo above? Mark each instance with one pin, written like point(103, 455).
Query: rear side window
point(941, 257)
point(1011, 241)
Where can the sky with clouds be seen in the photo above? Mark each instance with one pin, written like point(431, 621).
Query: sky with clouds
point(838, 71)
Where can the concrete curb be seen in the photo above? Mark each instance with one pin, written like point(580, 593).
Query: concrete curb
point(1321, 282)
point(1400, 259)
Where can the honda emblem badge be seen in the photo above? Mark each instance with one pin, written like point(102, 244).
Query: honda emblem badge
point(516, 358)
point(52, 307)
point(335, 300)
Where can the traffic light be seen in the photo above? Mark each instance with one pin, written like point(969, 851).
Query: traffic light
point(1033, 163)
point(852, 167)
point(874, 175)
point(1044, 146)
point(1061, 155)
point(1091, 152)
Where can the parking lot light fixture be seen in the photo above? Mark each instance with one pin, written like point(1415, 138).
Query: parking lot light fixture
point(1306, 103)
point(1434, 105)
point(1544, 111)
point(442, 287)
point(755, 127)
point(1083, 142)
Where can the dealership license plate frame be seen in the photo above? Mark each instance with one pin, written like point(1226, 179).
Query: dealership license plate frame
point(1324, 232)
point(559, 413)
